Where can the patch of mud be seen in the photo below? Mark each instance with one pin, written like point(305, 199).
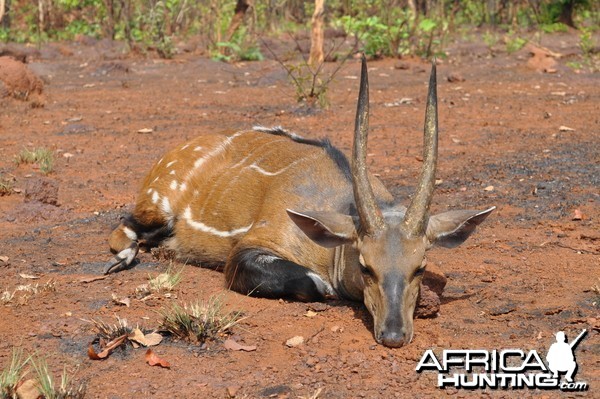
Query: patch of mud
point(17, 80)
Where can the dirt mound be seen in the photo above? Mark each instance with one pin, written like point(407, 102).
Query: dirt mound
point(16, 80)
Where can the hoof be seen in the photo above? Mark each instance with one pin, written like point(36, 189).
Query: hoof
point(123, 260)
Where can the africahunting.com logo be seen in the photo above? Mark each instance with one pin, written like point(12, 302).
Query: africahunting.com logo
point(507, 368)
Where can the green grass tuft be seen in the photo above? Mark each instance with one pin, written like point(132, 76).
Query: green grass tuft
point(41, 156)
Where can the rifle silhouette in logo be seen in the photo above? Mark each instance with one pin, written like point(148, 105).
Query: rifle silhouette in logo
point(560, 356)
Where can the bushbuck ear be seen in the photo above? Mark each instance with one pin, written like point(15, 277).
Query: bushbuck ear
point(450, 229)
point(328, 229)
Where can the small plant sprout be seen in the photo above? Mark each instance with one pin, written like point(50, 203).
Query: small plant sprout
point(48, 390)
point(11, 376)
point(200, 321)
point(41, 156)
point(310, 81)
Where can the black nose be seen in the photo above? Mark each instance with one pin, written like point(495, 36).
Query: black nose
point(391, 338)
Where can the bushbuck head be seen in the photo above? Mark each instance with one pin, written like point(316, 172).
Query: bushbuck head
point(388, 243)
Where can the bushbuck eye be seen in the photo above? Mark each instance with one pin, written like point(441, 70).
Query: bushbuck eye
point(365, 270)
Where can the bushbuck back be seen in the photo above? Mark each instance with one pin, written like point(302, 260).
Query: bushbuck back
point(292, 217)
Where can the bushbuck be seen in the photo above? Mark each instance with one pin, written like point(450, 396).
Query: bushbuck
point(291, 217)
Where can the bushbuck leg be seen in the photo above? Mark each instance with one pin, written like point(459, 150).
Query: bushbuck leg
point(257, 272)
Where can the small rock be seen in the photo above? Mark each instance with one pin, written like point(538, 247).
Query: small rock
point(401, 65)
point(577, 215)
point(435, 279)
point(294, 341)
point(454, 77)
point(489, 188)
point(503, 309)
point(428, 303)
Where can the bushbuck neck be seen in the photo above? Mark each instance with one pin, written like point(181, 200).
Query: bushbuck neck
point(293, 217)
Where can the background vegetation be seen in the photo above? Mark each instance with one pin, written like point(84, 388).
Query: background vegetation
point(229, 29)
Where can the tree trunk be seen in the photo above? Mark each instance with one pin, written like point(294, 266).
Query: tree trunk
point(316, 38)
point(240, 10)
point(566, 13)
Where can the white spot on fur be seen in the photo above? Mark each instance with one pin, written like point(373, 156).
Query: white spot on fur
point(183, 186)
point(266, 173)
point(187, 215)
point(155, 197)
point(165, 205)
point(217, 150)
point(172, 172)
point(171, 163)
point(184, 147)
point(130, 233)
point(174, 185)
point(150, 190)
point(155, 179)
point(198, 148)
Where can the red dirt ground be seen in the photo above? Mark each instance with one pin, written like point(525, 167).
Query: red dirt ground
point(527, 273)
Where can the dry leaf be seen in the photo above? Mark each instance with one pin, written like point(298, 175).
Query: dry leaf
point(28, 276)
point(111, 346)
point(489, 188)
point(232, 345)
point(28, 390)
point(123, 301)
point(4, 259)
point(154, 360)
point(310, 313)
point(151, 339)
point(295, 341)
point(145, 130)
point(577, 215)
point(566, 129)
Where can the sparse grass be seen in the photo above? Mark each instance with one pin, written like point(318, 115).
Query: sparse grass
point(109, 332)
point(66, 390)
point(6, 186)
point(25, 291)
point(200, 321)
point(514, 44)
point(163, 284)
point(490, 39)
point(10, 377)
point(41, 156)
